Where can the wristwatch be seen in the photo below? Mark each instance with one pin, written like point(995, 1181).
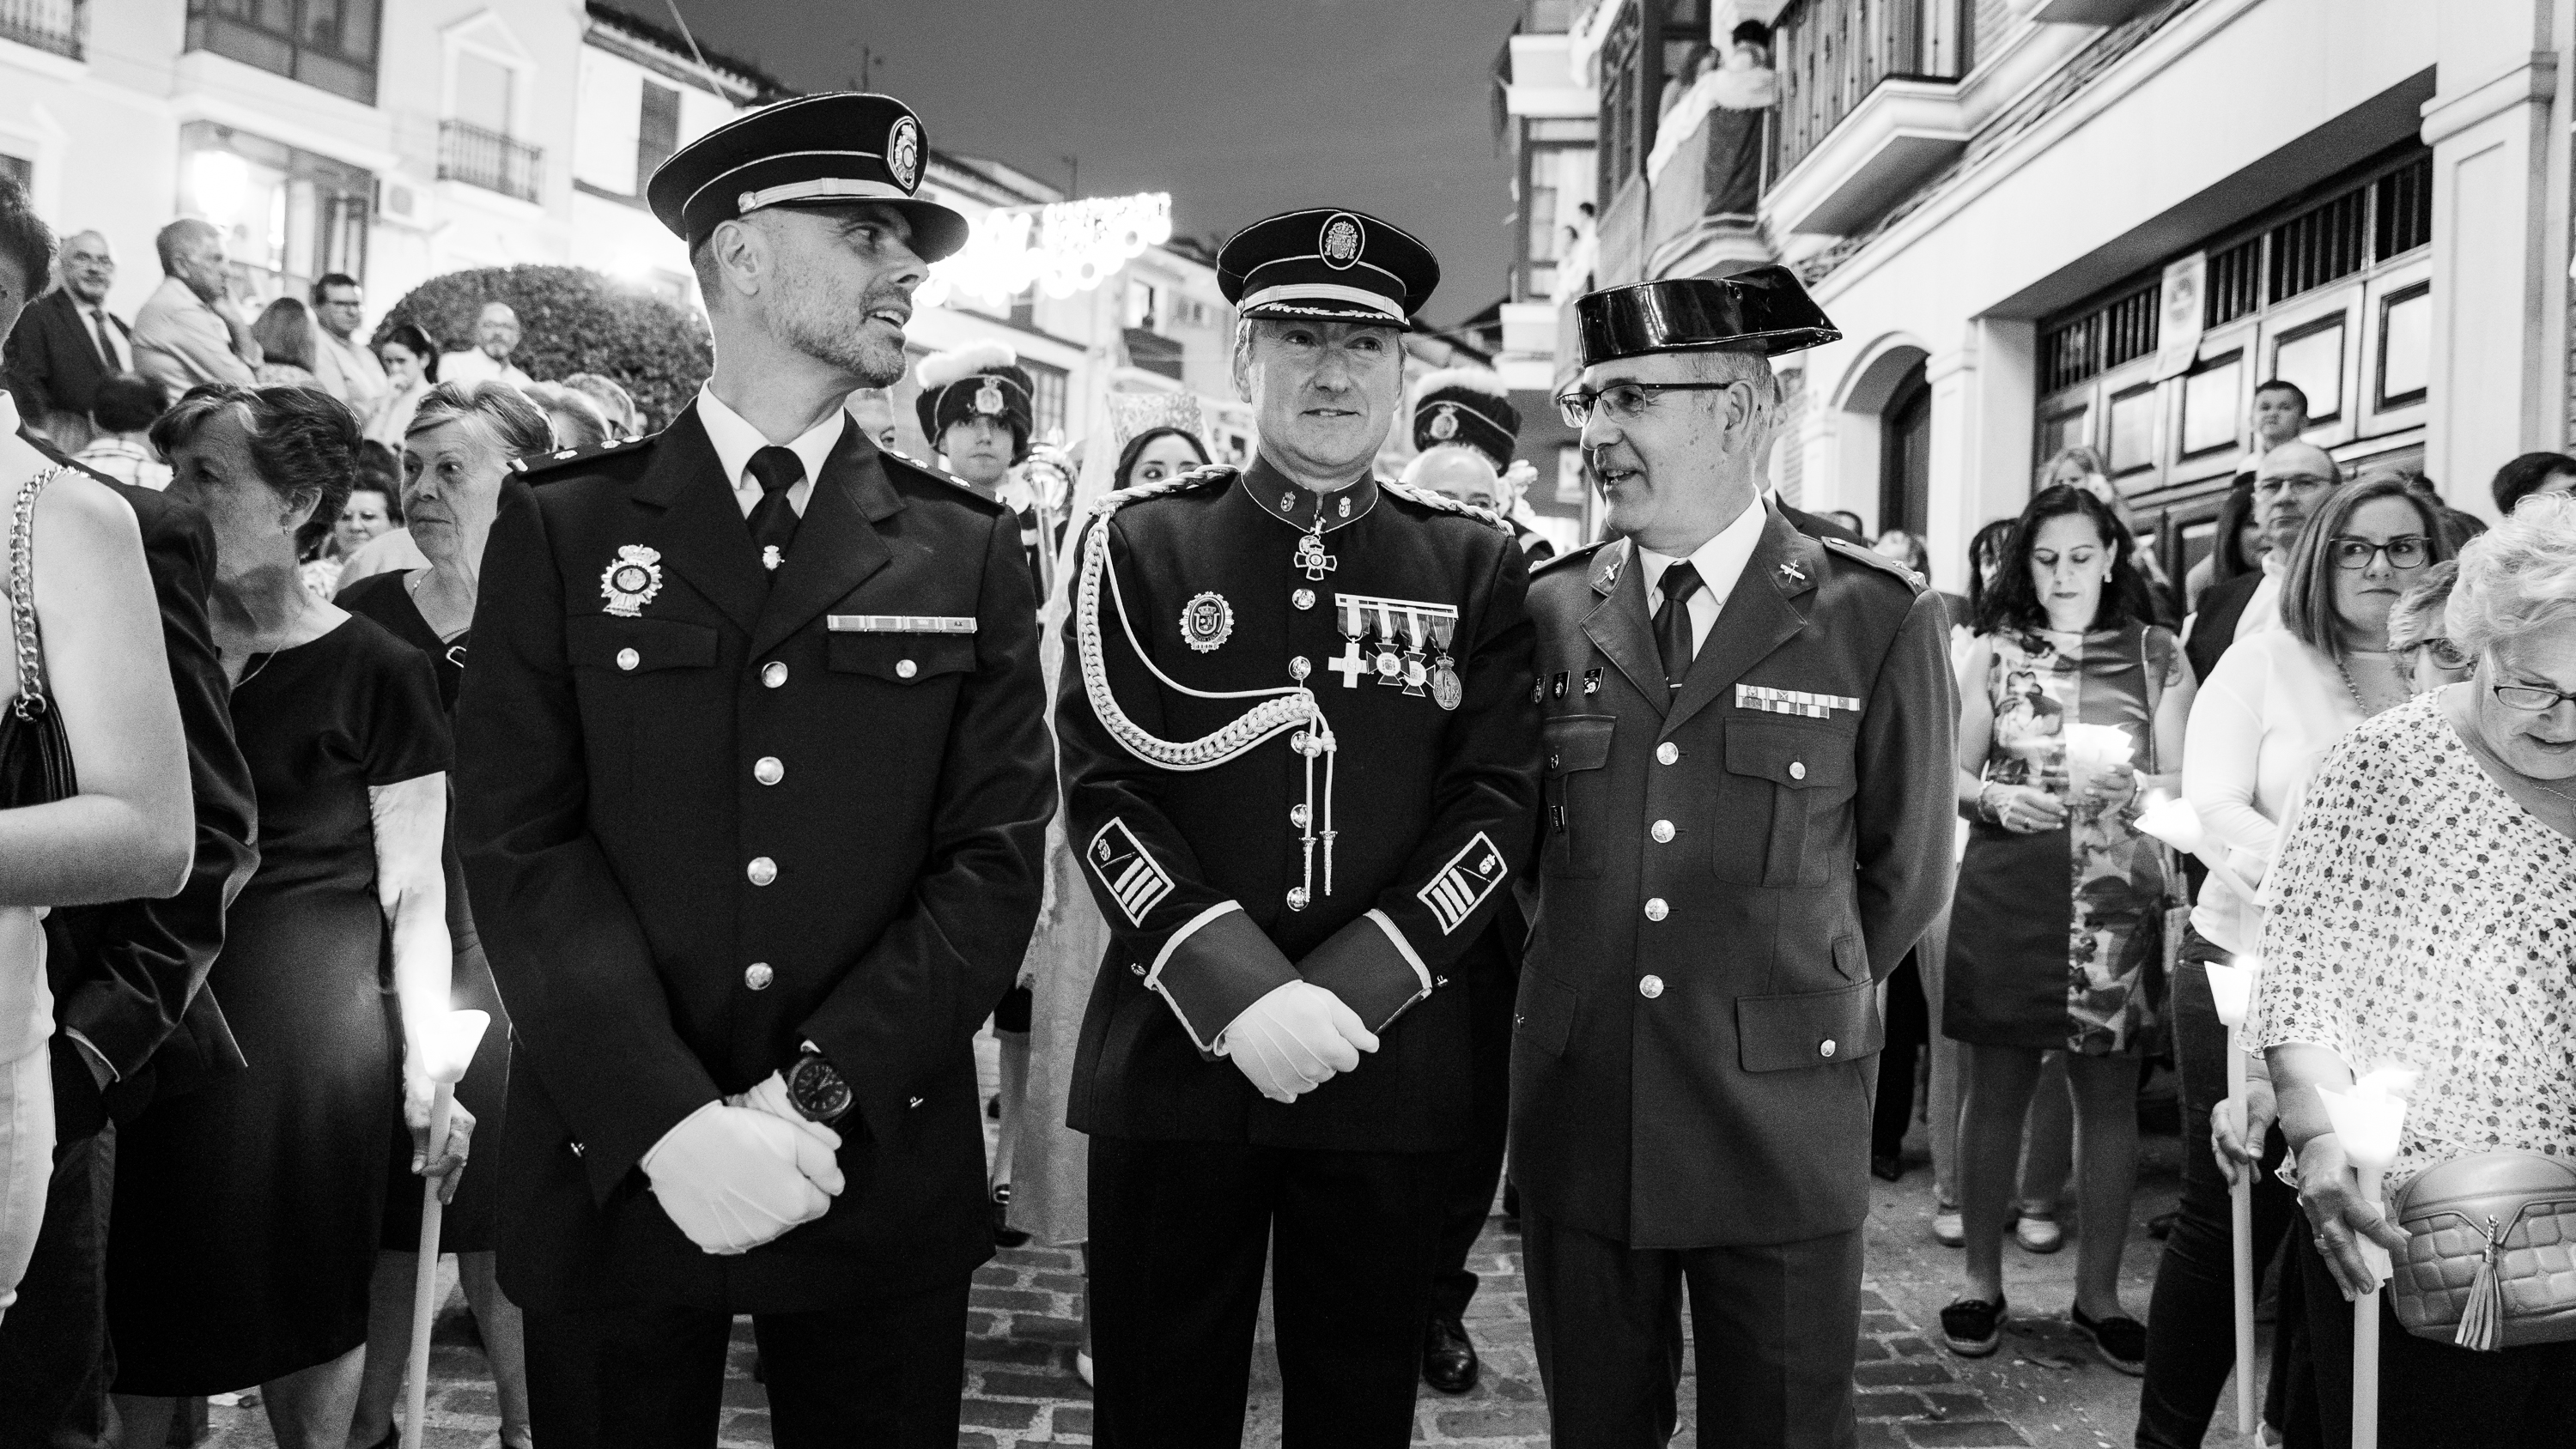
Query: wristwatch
point(816, 1088)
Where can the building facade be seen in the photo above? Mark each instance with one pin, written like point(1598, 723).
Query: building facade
point(2051, 223)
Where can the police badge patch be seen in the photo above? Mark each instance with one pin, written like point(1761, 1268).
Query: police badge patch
point(1207, 621)
point(903, 152)
point(631, 582)
point(1340, 241)
point(988, 398)
point(1130, 875)
point(1444, 423)
point(1462, 884)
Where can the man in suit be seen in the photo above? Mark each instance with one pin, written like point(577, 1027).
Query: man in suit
point(192, 328)
point(1747, 824)
point(2291, 482)
point(1300, 763)
point(125, 977)
point(753, 778)
point(66, 343)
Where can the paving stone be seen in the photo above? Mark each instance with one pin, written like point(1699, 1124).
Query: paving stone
point(1974, 1434)
point(1887, 1375)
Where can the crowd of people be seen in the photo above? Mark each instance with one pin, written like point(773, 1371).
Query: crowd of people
point(345, 696)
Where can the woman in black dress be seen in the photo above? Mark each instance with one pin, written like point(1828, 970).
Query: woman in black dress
point(462, 439)
point(247, 1212)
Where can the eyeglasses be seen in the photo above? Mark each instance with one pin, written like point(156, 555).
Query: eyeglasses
point(2529, 698)
point(2406, 551)
point(2444, 652)
point(1624, 401)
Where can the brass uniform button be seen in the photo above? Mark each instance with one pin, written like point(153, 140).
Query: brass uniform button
point(1656, 910)
point(905, 669)
point(773, 674)
point(1650, 987)
point(628, 659)
point(1668, 752)
point(1797, 769)
point(1662, 831)
point(762, 870)
point(757, 976)
point(768, 771)
point(1827, 1049)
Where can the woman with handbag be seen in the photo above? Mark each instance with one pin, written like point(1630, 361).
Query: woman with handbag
point(2264, 716)
point(94, 802)
point(2056, 924)
point(2424, 913)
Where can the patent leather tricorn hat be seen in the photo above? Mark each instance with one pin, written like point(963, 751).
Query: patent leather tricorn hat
point(1764, 309)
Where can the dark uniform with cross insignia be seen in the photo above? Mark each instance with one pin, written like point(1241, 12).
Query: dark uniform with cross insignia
point(1727, 869)
point(722, 821)
point(1298, 743)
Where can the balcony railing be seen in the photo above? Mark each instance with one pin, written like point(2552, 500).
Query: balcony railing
point(53, 25)
point(477, 157)
point(1832, 53)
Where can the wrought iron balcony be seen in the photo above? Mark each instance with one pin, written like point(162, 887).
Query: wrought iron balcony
point(53, 25)
point(1832, 54)
point(477, 157)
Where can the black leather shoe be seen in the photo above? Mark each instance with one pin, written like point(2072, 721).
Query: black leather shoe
point(1448, 1358)
point(1886, 1166)
point(1004, 1235)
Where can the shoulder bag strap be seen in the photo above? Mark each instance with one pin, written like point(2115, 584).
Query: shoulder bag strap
point(31, 702)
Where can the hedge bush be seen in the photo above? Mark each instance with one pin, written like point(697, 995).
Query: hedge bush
point(572, 319)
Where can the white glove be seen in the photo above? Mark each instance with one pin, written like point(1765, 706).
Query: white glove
point(771, 1097)
point(733, 1178)
point(1294, 1039)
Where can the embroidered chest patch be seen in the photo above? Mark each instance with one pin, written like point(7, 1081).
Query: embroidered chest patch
point(1207, 621)
point(632, 580)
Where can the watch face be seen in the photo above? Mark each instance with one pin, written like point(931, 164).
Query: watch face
point(817, 1090)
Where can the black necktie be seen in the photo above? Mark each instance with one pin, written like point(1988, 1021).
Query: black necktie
point(773, 518)
point(106, 342)
point(1673, 622)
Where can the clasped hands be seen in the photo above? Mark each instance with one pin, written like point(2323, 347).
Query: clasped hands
point(741, 1172)
point(1294, 1039)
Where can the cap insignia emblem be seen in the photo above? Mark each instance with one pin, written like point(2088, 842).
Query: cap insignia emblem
point(1340, 242)
point(1207, 621)
point(631, 582)
point(988, 398)
point(903, 152)
point(1444, 423)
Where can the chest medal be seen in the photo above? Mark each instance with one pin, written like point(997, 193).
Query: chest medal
point(1207, 622)
point(631, 582)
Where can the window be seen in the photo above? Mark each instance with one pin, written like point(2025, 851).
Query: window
point(1905, 455)
point(483, 92)
point(1830, 54)
point(53, 25)
point(657, 131)
point(287, 216)
point(2235, 285)
point(2406, 346)
point(329, 44)
point(2402, 203)
point(1046, 401)
point(2133, 430)
point(2210, 404)
point(2312, 357)
point(1623, 145)
point(2318, 246)
point(1561, 168)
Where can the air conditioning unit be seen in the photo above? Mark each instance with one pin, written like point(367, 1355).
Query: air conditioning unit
point(403, 201)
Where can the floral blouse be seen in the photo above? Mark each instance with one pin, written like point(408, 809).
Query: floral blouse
point(2422, 917)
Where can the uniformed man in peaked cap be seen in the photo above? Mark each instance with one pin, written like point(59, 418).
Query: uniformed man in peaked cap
point(1469, 409)
point(1747, 824)
point(753, 776)
point(1301, 764)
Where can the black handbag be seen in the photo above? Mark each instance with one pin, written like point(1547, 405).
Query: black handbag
point(35, 754)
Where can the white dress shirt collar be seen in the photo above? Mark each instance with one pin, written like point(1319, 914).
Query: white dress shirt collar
point(735, 440)
point(1720, 562)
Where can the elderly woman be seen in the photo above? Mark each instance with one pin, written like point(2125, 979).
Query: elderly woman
point(247, 1211)
point(2415, 631)
point(2265, 715)
point(2033, 970)
point(2424, 913)
point(462, 441)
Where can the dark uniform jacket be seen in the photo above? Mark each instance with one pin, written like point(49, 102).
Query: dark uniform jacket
point(1431, 808)
point(129, 976)
point(1724, 880)
point(709, 814)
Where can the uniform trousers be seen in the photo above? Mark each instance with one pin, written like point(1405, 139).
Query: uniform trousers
point(884, 1375)
point(1773, 1328)
point(1478, 1169)
point(1180, 1232)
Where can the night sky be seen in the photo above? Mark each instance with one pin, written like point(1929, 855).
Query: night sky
point(1238, 109)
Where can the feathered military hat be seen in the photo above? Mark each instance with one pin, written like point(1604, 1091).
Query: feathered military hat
point(1468, 406)
point(1764, 309)
point(979, 380)
point(831, 149)
point(1326, 266)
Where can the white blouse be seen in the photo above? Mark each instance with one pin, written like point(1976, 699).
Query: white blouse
point(2422, 917)
point(2259, 725)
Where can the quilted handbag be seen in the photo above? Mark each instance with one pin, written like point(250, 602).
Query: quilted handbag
point(2490, 1260)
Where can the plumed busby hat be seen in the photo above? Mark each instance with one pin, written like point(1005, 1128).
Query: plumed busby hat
point(831, 149)
point(1763, 310)
point(979, 380)
point(1326, 266)
point(1468, 406)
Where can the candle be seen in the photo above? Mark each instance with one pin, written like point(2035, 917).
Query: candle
point(2231, 986)
point(446, 1048)
point(2369, 1121)
point(2171, 819)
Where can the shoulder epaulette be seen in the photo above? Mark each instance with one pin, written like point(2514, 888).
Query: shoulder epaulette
point(1561, 560)
point(1446, 504)
point(938, 475)
point(536, 463)
point(1872, 557)
point(1203, 476)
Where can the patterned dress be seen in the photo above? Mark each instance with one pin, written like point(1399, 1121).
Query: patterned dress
point(2422, 917)
point(2054, 936)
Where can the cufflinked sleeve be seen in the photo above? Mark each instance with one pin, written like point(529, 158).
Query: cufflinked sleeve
point(1906, 796)
point(565, 946)
point(1484, 818)
point(914, 1000)
point(1208, 960)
